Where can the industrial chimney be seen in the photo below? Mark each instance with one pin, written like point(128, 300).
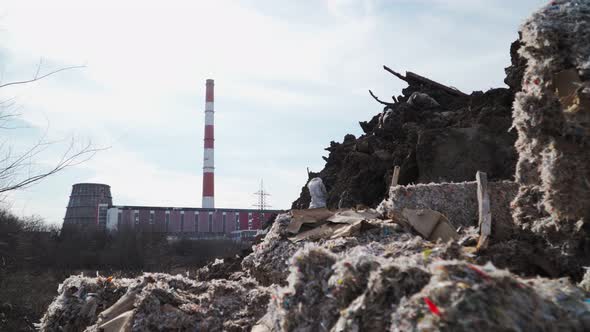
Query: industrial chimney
point(208, 161)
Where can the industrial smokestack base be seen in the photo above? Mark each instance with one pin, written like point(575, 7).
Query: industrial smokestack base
point(208, 155)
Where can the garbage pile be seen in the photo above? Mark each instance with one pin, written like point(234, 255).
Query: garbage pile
point(434, 132)
point(416, 263)
point(155, 302)
point(269, 262)
point(552, 116)
point(429, 291)
point(342, 270)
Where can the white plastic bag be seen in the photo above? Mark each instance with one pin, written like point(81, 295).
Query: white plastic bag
point(318, 193)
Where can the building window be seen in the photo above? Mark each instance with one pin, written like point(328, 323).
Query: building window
point(136, 217)
point(119, 219)
point(237, 221)
point(223, 223)
point(167, 220)
point(249, 220)
point(210, 222)
point(197, 222)
point(152, 217)
point(182, 221)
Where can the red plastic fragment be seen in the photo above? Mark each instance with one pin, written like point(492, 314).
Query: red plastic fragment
point(433, 308)
point(480, 272)
point(537, 81)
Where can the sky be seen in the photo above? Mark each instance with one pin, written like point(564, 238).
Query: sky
point(290, 76)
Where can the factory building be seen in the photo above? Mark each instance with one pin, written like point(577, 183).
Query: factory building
point(193, 221)
point(91, 204)
point(91, 207)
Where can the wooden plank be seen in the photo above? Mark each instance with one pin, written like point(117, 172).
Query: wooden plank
point(485, 214)
point(412, 76)
point(395, 178)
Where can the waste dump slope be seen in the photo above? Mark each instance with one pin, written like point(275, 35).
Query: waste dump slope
point(447, 139)
point(552, 116)
point(388, 270)
point(363, 272)
point(155, 302)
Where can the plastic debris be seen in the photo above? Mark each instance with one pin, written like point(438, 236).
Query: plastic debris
point(318, 193)
point(433, 308)
point(422, 100)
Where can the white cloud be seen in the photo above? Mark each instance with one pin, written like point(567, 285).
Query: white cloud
point(285, 84)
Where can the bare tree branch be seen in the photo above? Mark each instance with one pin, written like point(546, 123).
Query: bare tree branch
point(20, 171)
point(68, 159)
point(380, 101)
point(36, 78)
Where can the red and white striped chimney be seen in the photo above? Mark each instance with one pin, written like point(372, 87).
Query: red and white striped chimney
point(208, 161)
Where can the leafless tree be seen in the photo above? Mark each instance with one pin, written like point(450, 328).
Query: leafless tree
point(19, 170)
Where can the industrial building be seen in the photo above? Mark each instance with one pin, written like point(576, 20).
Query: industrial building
point(91, 204)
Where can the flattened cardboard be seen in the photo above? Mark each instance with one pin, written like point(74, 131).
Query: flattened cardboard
point(432, 225)
point(567, 84)
point(308, 216)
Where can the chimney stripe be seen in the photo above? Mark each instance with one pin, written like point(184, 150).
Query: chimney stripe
point(208, 152)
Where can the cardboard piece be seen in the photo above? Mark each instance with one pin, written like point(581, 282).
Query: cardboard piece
point(328, 224)
point(352, 216)
point(308, 216)
point(485, 215)
point(125, 303)
point(324, 231)
point(121, 323)
point(264, 324)
point(567, 84)
point(432, 225)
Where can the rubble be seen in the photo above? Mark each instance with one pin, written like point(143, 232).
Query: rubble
point(155, 301)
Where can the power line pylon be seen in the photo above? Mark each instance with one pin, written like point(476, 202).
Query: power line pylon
point(262, 205)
